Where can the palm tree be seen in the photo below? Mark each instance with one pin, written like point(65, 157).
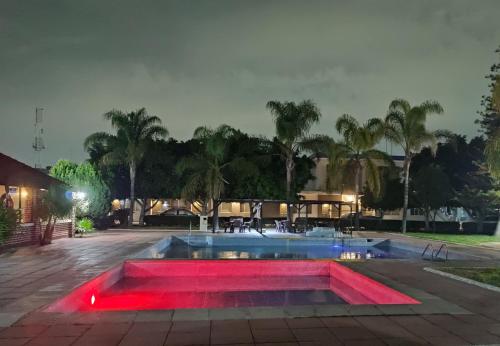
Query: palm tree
point(492, 150)
point(206, 169)
point(405, 126)
point(134, 132)
point(293, 122)
point(346, 159)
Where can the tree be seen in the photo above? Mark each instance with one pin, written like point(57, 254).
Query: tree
point(432, 190)
point(205, 170)
point(490, 114)
point(156, 176)
point(390, 196)
point(405, 126)
point(55, 204)
point(134, 133)
point(492, 150)
point(9, 220)
point(84, 178)
point(479, 204)
point(293, 122)
point(356, 150)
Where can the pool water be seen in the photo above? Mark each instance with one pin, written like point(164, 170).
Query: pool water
point(182, 250)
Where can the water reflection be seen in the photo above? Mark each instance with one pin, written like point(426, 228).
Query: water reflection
point(279, 252)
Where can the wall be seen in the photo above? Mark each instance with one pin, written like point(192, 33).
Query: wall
point(29, 234)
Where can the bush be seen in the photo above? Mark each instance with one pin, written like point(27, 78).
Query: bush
point(86, 225)
point(9, 219)
point(171, 220)
point(489, 228)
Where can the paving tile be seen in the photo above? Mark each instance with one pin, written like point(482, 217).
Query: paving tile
point(352, 333)
point(109, 329)
point(313, 334)
point(224, 336)
point(230, 325)
point(21, 332)
point(404, 341)
point(149, 327)
point(52, 341)
point(419, 326)
point(14, 342)
point(99, 340)
point(318, 343)
point(367, 342)
point(271, 323)
point(273, 335)
point(446, 340)
point(384, 327)
point(333, 322)
point(66, 330)
point(305, 323)
point(477, 336)
point(142, 339)
point(190, 326)
point(182, 339)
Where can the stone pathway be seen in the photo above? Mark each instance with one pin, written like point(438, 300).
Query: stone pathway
point(33, 277)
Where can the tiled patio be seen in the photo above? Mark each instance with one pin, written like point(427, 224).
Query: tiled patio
point(32, 277)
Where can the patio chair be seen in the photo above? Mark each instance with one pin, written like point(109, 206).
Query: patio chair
point(245, 226)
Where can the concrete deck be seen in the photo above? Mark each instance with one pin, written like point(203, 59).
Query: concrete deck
point(32, 277)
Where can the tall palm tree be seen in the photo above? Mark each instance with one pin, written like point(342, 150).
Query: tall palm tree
point(134, 132)
point(405, 126)
point(206, 169)
point(293, 122)
point(355, 152)
point(492, 150)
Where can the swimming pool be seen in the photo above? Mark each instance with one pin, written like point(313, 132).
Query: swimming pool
point(195, 284)
point(239, 248)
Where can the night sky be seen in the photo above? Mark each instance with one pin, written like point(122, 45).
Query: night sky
point(210, 62)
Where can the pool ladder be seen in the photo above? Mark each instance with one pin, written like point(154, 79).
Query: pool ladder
point(435, 253)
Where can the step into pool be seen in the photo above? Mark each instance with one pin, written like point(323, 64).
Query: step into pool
point(191, 284)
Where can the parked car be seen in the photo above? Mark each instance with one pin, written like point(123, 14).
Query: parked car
point(178, 212)
point(180, 217)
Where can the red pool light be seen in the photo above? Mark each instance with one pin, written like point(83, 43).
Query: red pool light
point(184, 284)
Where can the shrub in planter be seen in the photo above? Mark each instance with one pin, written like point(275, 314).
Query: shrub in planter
point(9, 220)
point(84, 225)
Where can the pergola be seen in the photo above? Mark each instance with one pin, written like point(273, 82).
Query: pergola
point(298, 204)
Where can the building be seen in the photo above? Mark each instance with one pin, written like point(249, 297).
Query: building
point(24, 184)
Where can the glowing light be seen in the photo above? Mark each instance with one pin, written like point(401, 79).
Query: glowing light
point(24, 193)
point(349, 198)
point(92, 300)
point(79, 195)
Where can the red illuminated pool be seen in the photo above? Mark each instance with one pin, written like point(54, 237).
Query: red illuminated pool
point(187, 284)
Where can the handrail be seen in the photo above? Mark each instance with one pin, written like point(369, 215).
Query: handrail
point(443, 246)
point(429, 246)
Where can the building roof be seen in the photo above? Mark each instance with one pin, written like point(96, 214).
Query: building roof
point(16, 173)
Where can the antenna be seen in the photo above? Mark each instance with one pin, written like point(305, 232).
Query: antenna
point(38, 144)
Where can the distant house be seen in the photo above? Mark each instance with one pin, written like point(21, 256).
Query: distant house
point(23, 185)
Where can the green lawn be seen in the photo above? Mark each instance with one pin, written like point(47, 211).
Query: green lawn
point(486, 275)
point(456, 238)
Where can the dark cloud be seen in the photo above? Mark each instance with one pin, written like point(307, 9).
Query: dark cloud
point(208, 62)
